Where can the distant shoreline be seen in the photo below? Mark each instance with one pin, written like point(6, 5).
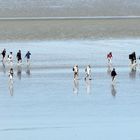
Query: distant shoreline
point(69, 28)
point(70, 18)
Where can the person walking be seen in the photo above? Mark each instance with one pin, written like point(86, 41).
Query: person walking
point(88, 72)
point(3, 54)
point(109, 58)
point(113, 74)
point(19, 58)
point(75, 70)
point(28, 54)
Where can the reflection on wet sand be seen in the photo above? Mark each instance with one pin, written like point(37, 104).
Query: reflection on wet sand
point(132, 74)
point(4, 67)
point(75, 86)
point(88, 86)
point(19, 72)
point(113, 90)
point(11, 87)
point(28, 71)
point(109, 69)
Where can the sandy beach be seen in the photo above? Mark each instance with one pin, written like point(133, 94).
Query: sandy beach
point(68, 29)
point(45, 103)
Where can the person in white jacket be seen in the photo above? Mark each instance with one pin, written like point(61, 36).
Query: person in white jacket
point(76, 72)
point(88, 72)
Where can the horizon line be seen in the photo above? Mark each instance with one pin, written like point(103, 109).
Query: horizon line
point(69, 18)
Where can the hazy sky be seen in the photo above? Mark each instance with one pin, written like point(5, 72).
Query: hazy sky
point(49, 8)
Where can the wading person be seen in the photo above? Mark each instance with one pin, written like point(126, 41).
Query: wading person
point(132, 57)
point(109, 58)
point(10, 58)
point(19, 58)
point(113, 74)
point(88, 72)
point(3, 54)
point(75, 70)
point(27, 56)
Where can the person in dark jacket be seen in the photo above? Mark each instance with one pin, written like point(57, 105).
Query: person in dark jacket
point(19, 58)
point(132, 57)
point(3, 54)
point(28, 54)
point(113, 74)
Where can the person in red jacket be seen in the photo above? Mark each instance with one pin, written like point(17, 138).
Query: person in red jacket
point(109, 57)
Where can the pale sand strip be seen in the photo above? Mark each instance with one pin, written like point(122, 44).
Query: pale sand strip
point(68, 29)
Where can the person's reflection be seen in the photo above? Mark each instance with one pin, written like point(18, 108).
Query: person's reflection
point(28, 71)
point(75, 86)
point(19, 72)
point(4, 68)
point(11, 87)
point(113, 90)
point(88, 86)
point(108, 70)
point(132, 74)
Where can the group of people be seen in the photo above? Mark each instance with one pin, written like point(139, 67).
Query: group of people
point(113, 72)
point(87, 72)
point(9, 58)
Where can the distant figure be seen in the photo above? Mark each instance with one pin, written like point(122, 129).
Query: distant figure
point(109, 58)
point(11, 74)
point(139, 60)
point(3, 54)
point(28, 54)
point(88, 72)
point(132, 57)
point(113, 74)
point(19, 58)
point(10, 58)
point(75, 70)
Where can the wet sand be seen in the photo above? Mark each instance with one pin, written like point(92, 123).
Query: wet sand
point(45, 103)
point(67, 29)
point(74, 109)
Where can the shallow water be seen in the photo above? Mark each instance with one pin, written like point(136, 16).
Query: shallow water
point(45, 103)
